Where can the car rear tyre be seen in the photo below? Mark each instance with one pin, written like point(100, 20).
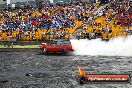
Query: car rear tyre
point(63, 52)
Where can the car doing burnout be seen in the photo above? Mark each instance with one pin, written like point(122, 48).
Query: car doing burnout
point(62, 46)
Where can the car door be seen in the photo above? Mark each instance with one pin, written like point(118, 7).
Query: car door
point(66, 46)
point(58, 46)
point(51, 47)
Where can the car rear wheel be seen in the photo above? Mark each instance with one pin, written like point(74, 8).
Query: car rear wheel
point(44, 50)
point(63, 52)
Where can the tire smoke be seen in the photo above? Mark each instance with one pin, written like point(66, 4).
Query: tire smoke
point(121, 46)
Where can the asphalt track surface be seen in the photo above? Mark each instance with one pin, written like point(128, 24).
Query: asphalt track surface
point(55, 71)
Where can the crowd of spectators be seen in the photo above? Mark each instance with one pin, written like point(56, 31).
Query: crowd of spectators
point(61, 22)
point(113, 20)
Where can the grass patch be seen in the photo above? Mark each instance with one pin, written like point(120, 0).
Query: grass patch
point(20, 46)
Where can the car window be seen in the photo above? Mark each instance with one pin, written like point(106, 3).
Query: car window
point(54, 43)
point(60, 43)
point(63, 42)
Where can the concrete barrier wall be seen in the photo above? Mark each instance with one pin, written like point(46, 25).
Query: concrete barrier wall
point(19, 50)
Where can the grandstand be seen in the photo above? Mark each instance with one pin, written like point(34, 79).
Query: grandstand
point(61, 22)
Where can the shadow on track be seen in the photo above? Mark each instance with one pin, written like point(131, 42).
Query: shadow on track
point(54, 54)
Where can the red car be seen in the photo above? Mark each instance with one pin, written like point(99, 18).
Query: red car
point(62, 46)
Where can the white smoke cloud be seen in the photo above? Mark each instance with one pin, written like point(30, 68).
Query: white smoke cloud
point(121, 46)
